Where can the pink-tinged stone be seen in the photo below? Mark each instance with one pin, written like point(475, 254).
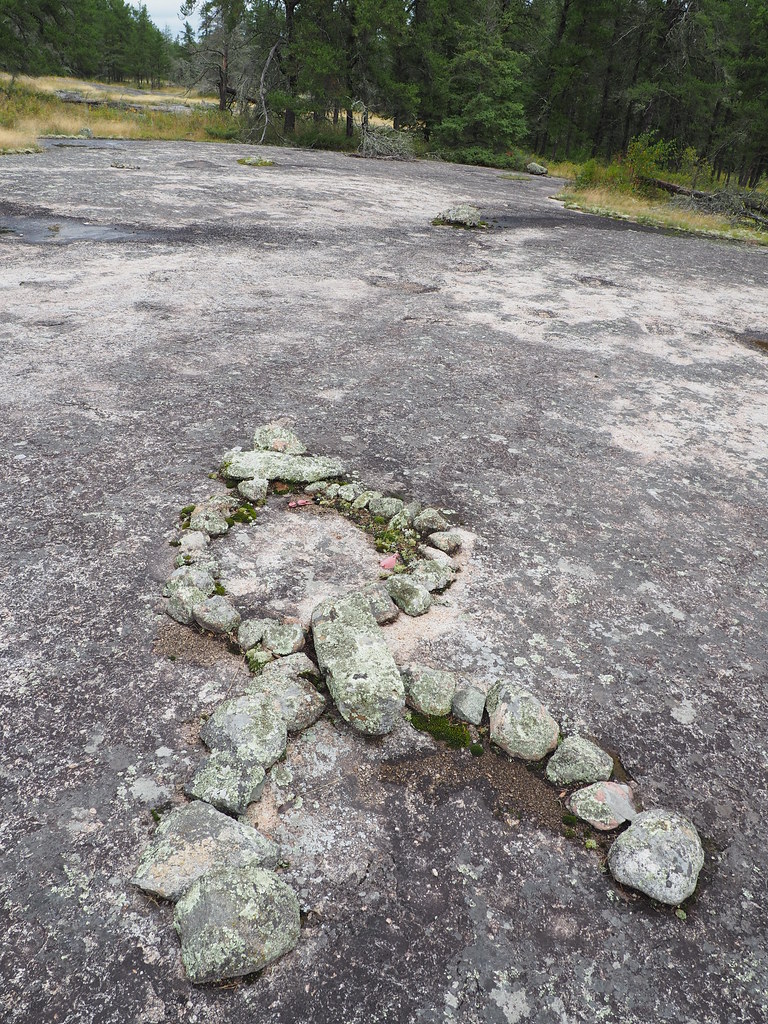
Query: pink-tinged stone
point(604, 805)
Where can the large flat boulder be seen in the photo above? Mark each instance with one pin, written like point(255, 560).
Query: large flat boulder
point(357, 664)
point(268, 465)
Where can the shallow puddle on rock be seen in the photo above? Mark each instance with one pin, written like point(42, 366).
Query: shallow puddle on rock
point(60, 231)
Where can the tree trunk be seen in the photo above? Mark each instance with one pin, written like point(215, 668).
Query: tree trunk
point(289, 120)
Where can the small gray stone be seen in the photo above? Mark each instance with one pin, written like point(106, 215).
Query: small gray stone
point(403, 520)
point(604, 805)
point(269, 465)
point(660, 854)
point(384, 507)
point(194, 543)
point(282, 638)
point(316, 488)
point(534, 168)
point(520, 724)
point(432, 575)
point(435, 555)
point(429, 690)
point(250, 726)
point(430, 521)
point(364, 498)
point(285, 682)
point(257, 658)
point(331, 491)
point(578, 760)
point(382, 607)
point(409, 595)
point(183, 601)
point(276, 438)
point(350, 491)
point(250, 632)
point(235, 921)
point(469, 703)
point(191, 841)
point(189, 576)
point(254, 490)
point(217, 614)
point(227, 781)
point(446, 540)
point(357, 664)
point(211, 515)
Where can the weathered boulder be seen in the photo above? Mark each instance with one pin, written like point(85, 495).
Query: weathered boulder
point(276, 438)
point(182, 603)
point(381, 605)
point(408, 594)
point(211, 516)
point(604, 805)
point(217, 614)
point(235, 921)
point(384, 507)
point(434, 576)
point(462, 215)
point(469, 702)
point(227, 782)
point(268, 465)
point(191, 841)
point(254, 490)
point(660, 854)
point(349, 492)
point(250, 726)
point(578, 760)
point(445, 540)
point(520, 724)
point(361, 501)
point(429, 690)
point(430, 521)
point(189, 576)
point(357, 664)
point(286, 683)
point(534, 168)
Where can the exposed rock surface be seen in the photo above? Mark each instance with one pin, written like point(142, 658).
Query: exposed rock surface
point(357, 664)
point(429, 690)
point(604, 805)
point(578, 760)
point(227, 781)
point(276, 438)
point(250, 726)
point(660, 854)
point(267, 465)
point(217, 614)
point(191, 841)
point(520, 724)
point(469, 703)
point(409, 595)
point(235, 921)
point(285, 681)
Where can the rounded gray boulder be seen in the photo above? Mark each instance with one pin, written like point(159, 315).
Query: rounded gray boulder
point(520, 724)
point(660, 854)
point(579, 760)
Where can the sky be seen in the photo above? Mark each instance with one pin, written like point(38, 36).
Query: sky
point(166, 12)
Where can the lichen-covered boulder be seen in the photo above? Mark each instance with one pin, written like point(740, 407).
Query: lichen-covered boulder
point(217, 614)
point(534, 168)
point(434, 576)
point(520, 724)
point(250, 632)
point(385, 507)
point(191, 841)
point(287, 683)
point(357, 664)
point(446, 540)
point(182, 603)
point(349, 492)
point(409, 595)
point(250, 726)
point(276, 438)
point(429, 690)
point(382, 607)
point(227, 781)
point(211, 516)
point(578, 760)
point(604, 805)
point(268, 465)
point(660, 854)
point(189, 576)
point(462, 215)
point(282, 638)
point(235, 921)
point(430, 521)
point(254, 490)
point(403, 520)
point(468, 702)
point(361, 501)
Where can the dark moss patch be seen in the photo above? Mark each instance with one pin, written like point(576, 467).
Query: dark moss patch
point(476, 749)
point(186, 512)
point(447, 730)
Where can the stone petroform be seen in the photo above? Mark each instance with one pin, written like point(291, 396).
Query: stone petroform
point(267, 465)
point(287, 683)
point(578, 760)
point(227, 781)
point(520, 724)
point(660, 854)
point(276, 438)
point(217, 614)
point(357, 664)
point(235, 921)
point(469, 702)
point(250, 726)
point(409, 595)
point(429, 690)
point(604, 805)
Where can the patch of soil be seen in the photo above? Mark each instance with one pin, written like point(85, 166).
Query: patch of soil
point(184, 643)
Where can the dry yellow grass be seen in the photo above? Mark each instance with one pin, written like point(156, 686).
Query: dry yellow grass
point(659, 213)
point(120, 92)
